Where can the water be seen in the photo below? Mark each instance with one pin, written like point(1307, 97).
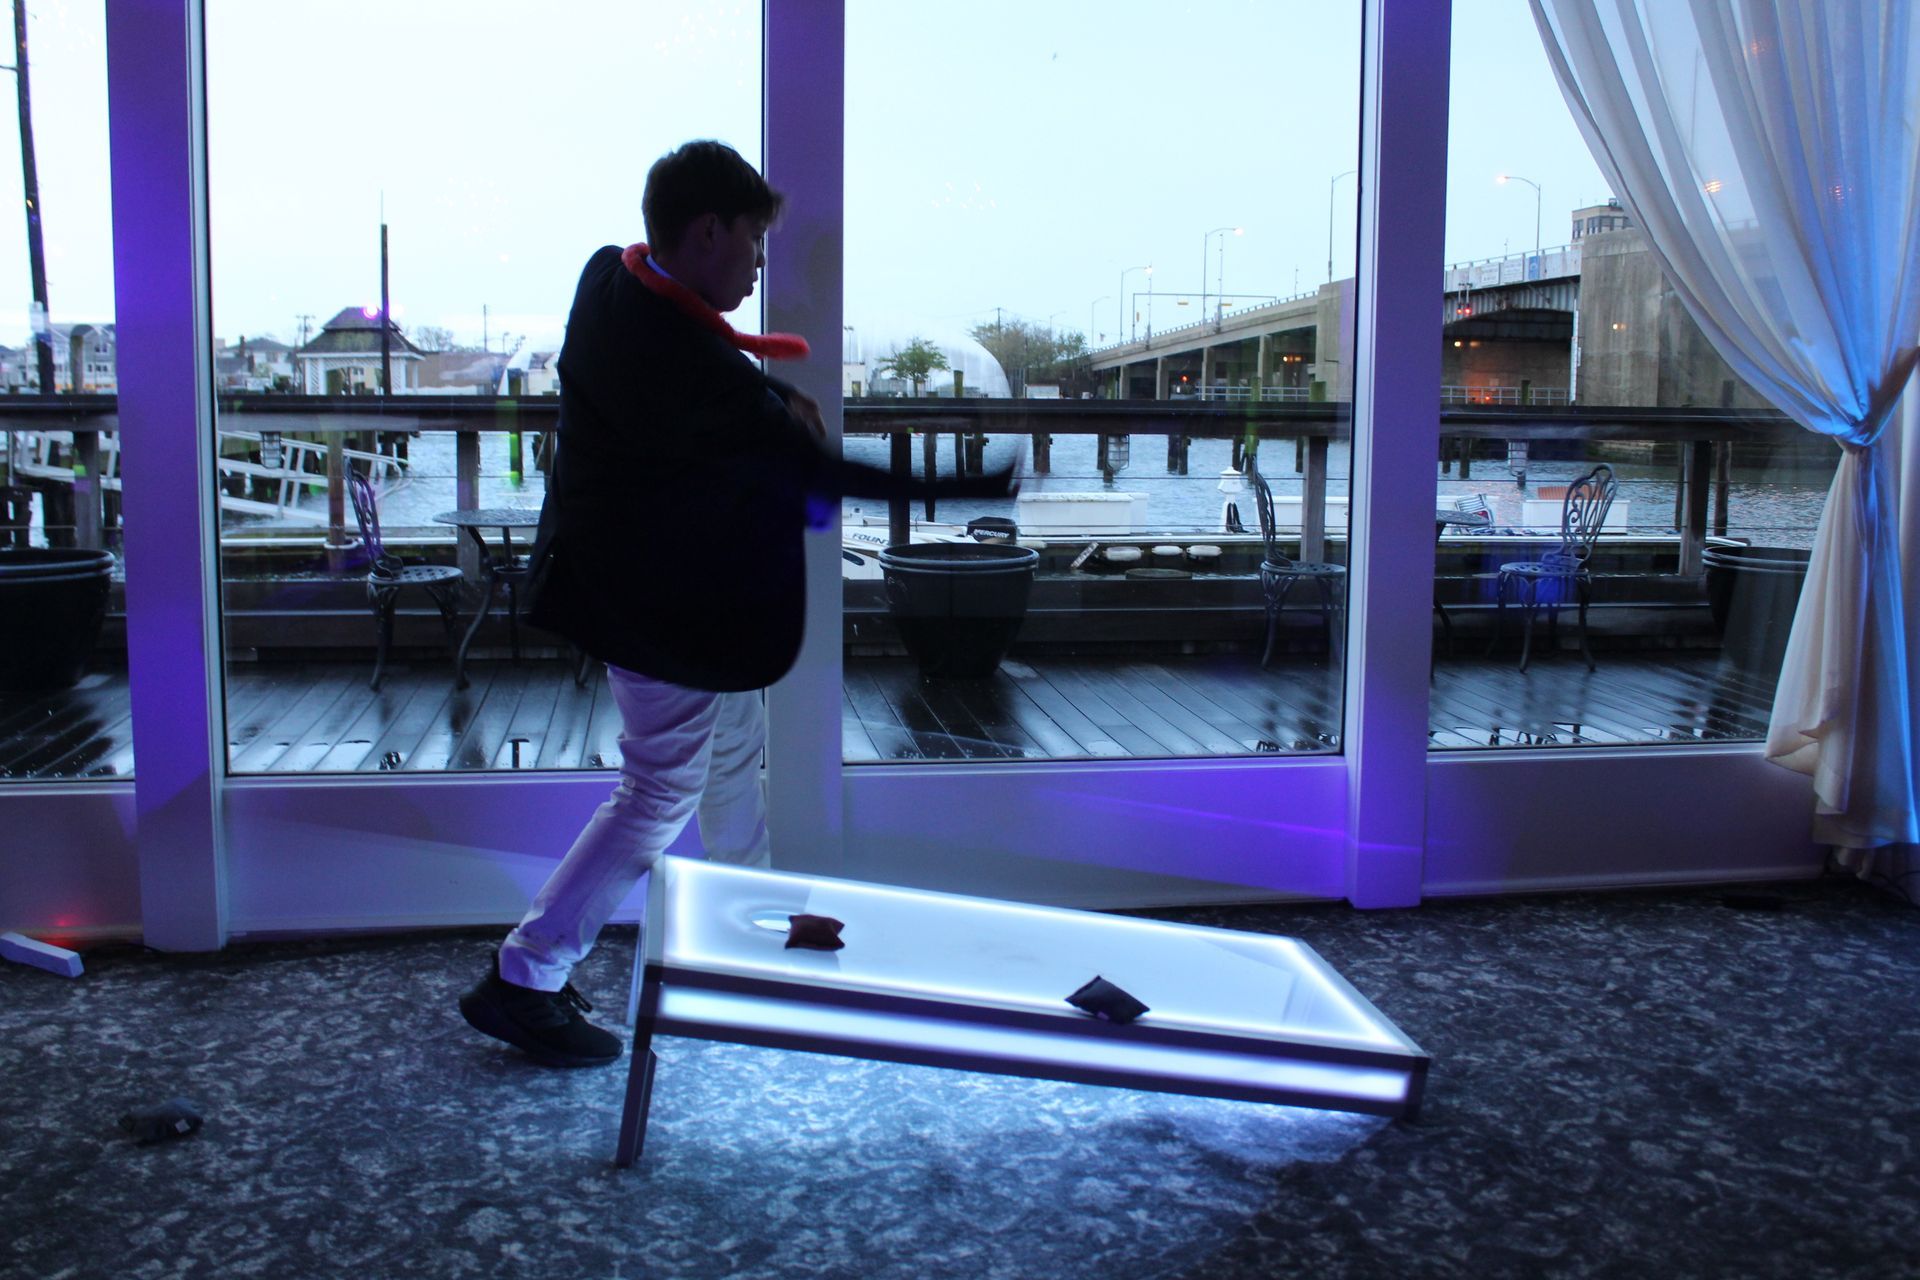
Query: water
point(1770, 508)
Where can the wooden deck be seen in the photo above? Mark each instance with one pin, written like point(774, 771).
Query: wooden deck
point(309, 718)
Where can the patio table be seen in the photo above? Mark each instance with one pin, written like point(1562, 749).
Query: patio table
point(503, 568)
point(944, 980)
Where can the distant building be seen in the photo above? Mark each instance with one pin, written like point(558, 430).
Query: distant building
point(1596, 218)
point(344, 359)
point(94, 345)
point(543, 374)
point(254, 364)
point(462, 372)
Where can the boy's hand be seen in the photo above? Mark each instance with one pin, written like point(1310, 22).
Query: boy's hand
point(807, 409)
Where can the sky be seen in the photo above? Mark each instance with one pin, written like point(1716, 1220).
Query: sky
point(1015, 160)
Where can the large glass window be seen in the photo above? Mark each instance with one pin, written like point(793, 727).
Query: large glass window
point(1118, 266)
point(401, 200)
point(64, 705)
point(1571, 372)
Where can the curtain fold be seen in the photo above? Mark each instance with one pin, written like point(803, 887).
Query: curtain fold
point(1770, 151)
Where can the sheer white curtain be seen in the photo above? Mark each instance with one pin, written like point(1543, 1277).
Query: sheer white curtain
point(1770, 150)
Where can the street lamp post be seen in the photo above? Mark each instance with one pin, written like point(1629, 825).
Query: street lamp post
point(1090, 309)
point(1133, 326)
point(1220, 284)
point(1331, 184)
point(1504, 179)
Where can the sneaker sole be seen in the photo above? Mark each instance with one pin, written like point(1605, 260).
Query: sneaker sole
point(484, 1018)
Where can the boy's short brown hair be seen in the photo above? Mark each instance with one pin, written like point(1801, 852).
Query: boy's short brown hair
point(703, 177)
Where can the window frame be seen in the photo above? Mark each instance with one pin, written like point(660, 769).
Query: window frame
point(1383, 824)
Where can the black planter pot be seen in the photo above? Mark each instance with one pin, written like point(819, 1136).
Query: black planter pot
point(1753, 592)
point(52, 602)
point(958, 604)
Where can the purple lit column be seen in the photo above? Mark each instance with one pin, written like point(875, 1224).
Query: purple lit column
point(1403, 172)
point(804, 137)
point(154, 83)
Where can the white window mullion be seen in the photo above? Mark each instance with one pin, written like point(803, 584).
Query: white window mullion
point(1403, 180)
point(156, 107)
point(804, 101)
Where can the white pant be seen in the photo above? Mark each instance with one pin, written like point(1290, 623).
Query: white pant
point(679, 748)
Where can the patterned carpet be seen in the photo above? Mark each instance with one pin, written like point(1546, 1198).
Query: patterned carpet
point(1689, 1083)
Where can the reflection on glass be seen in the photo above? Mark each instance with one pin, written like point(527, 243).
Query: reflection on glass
point(1028, 285)
point(390, 307)
point(63, 684)
point(1564, 352)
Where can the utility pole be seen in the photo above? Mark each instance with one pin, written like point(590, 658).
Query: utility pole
point(84, 500)
point(386, 322)
point(36, 254)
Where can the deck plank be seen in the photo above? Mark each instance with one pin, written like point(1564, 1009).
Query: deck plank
point(564, 744)
point(532, 719)
point(897, 686)
point(1088, 737)
point(486, 730)
point(321, 717)
point(68, 739)
point(355, 749)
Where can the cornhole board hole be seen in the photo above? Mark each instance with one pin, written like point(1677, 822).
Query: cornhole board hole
point(950, 981)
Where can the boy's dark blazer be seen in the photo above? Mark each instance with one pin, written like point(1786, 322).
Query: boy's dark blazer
point(670, 538)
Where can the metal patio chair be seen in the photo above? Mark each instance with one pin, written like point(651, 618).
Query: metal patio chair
point(1279, 572)
point(388, 575)
point(1581, 514)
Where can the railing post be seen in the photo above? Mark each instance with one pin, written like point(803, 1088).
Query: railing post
point(466, 494)
point(930, 455)
point(899, 517)
point(1693, 538)
point(88, 488)
point(1313, 502)
point(1722, 482)
point(336, 501)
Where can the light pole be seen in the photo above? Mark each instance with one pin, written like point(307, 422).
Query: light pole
point(1331, 184)
point(1133, 325)
point(1105, 297)
point(1504, 179)
point(1220, 284)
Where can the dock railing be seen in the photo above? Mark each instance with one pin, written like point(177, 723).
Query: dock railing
point(1702, 438)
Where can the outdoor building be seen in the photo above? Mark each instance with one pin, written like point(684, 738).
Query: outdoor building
point(345, 357)
point(254, 364)
point(543, 374)
point(92, 344)
point(459, 372)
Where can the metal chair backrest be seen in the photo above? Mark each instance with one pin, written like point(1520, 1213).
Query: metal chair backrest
point(1582, 513)
point(1474, 504)
point(367, 513)
point(1263, 503)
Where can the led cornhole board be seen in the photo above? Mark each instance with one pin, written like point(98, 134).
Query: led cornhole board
point(950, 981)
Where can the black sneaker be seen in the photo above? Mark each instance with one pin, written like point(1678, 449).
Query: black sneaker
point(546, 1025)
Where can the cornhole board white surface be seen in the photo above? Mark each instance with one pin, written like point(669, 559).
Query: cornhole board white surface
point(945, 980)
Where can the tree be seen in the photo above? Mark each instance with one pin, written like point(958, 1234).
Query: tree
point(1028, 353)
point(919, 362)
point(431, 337)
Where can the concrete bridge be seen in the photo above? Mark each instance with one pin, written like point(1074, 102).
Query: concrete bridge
point(1511, 325)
